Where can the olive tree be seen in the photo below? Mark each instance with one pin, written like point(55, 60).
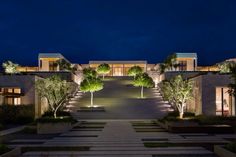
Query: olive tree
point(91, 85)
point(143, 80)
point(89, 73)
point(55, 90)
point(177, 91)
point(10, 67)
point(135, 70)
point(103, 69)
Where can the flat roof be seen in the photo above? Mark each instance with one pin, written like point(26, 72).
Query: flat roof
point(118, 62)
point(50, 55)
point(186, 55)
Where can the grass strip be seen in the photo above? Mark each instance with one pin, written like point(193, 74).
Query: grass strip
point(54, 148)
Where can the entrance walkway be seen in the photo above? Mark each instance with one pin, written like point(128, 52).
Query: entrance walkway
point(121, 101)
point(118, 138)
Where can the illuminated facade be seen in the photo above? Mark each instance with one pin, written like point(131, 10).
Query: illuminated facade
point(48, 61)
point(119, 68)
point(186, 61)
point(211, 96)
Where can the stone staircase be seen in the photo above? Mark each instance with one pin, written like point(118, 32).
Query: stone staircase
point(114, 139)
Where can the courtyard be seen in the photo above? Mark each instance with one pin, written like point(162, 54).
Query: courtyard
point(120, 100)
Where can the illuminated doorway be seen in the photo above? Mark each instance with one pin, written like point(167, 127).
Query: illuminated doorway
point(225, 105)
point(117, 71)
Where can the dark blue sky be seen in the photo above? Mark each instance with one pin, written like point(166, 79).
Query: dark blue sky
point(85, 30)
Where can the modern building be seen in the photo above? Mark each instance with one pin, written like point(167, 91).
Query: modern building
point(186, 61)
point(211, 96)
point(119, 68)
point(20, 90)
point(48, 61)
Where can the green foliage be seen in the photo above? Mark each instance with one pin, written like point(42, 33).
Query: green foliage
point(231, 147)
point(56, 120)
point(65, 65)
point(177, 91)
point(225, 67)
point(143, 80)
point(169, 63)
point(59, 114)
point(89, 73)
point(91, 85)
point(4, 149)
point(10, 67)
point(16, 114)
point(103, 69)
point(135, 70)
point(233, 77)
point(55, 90)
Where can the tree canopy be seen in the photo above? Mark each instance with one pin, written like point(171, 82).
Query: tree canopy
point(225, 67)
point(169, 63)
point(135, 70)
point(55, 90)
point(177, 91)
point(10, 67)
point(65, 65)
point(89, 73)
point(91, 85)
point(143, 80)
point(103, 69)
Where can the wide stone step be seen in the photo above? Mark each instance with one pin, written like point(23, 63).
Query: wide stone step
point(114, 152)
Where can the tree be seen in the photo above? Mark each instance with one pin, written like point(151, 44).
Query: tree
point(232, 85)
point(143, 80)
point(225, 66)
point(55, 90)
point(177, 91)
point(103, 69)
point(65, 65)
point(169, 63)
point(89, 73)
point(91, 85)
point(10, 67)
point(135, 70)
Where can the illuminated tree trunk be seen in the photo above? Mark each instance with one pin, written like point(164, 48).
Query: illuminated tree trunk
point(142, 92)
point(91, 99)
point(103, 76)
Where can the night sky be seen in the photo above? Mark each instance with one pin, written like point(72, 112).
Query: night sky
point(84, 30)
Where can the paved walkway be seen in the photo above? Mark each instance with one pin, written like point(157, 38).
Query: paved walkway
point(119, 139)
point(11, 130)
point(121, 101)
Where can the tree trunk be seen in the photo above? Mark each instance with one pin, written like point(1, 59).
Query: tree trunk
point(181, 112)
point(103, 76)
point(91, 99)
point(55, 113)
point(142, 92)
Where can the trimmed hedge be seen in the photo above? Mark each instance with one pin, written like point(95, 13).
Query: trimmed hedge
point(231, 147)
point(59, 114)
point(4, 149)
point(16, 114)
point(56, 120)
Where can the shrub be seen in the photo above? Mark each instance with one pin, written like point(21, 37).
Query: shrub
point(231, 147)
point(4, 149)
point(59, 114)
point(56, 120)
point(19, 114)
point(211, 120)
